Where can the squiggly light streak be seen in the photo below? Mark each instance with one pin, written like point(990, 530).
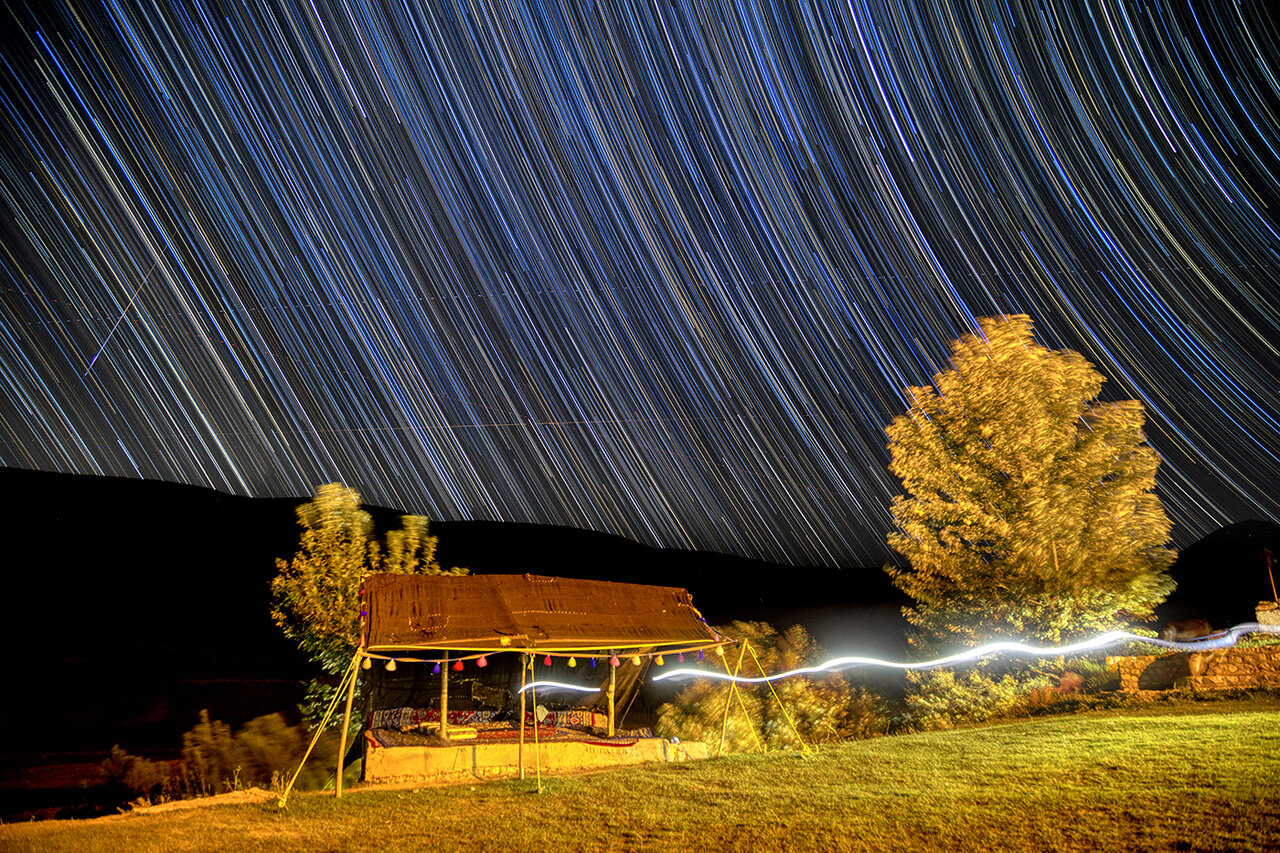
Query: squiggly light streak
point(1221, 640)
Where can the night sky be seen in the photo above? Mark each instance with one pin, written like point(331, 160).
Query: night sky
point(660, 270)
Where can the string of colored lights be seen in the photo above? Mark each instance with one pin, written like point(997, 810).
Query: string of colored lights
point(661, 270)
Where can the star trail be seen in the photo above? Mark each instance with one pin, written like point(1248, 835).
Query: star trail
point(660, 269)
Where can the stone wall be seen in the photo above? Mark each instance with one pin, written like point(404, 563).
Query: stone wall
point(1223, 669)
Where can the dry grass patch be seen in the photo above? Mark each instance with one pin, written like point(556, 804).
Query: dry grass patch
point(1198, 777)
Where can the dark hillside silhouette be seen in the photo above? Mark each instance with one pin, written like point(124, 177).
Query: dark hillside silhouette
point(135, 604)
point(1222, 577)
point(141, 602)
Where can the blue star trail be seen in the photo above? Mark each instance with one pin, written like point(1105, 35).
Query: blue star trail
point(656, 269)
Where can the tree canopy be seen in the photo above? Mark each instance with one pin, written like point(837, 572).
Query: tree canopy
point(316, 594)
point(1030, 510)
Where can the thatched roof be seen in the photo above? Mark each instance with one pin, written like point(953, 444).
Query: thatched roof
point(482, 613)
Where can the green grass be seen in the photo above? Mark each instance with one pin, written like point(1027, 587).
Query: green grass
point(1192, 776)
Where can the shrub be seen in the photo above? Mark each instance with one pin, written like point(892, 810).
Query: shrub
point(130, 777)
point(264, 753)
point(216, 760)
point(821, 709)
point(942, 699)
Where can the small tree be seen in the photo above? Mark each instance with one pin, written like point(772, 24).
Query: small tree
point(1030, 510)
point(316, 594)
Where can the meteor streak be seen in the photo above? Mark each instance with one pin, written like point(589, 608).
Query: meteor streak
point(117, 323)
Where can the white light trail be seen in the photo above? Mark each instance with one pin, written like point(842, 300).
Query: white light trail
point(1220, 640)
point(556, 685)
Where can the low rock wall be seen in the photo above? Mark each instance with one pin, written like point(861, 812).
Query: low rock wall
point(1223, 669)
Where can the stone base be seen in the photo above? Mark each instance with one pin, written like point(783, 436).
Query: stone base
point(1202, 683)
point(1224, 669)
point(502, 760)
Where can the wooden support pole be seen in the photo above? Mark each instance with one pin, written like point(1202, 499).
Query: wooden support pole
point(613, 684)
point(524, 663)
point(537, 748)
point(1267, 553)
point(444, 698)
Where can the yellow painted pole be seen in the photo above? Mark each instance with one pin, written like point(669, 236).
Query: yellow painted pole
point(346, 723)
point(524, 661)
point(444, 698)
point(324, 721)
point(537, 749)
point(728, 702)
point(743, 705)
point(613, 683)
point(804, 747)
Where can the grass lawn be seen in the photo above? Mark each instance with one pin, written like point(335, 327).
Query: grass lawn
point(1195, 776)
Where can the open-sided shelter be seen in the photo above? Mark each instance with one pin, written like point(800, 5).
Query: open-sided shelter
point(450, 623)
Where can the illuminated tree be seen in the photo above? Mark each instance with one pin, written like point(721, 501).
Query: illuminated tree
point(316, 594)
point(1030, 510)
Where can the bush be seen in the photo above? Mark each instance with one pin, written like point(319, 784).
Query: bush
point(994, 689)
point(265, 749)
point(131, 777)
point(821, 709)
point(265, 753)
point(942, 699)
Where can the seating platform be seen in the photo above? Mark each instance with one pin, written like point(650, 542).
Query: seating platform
point(494, 753)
